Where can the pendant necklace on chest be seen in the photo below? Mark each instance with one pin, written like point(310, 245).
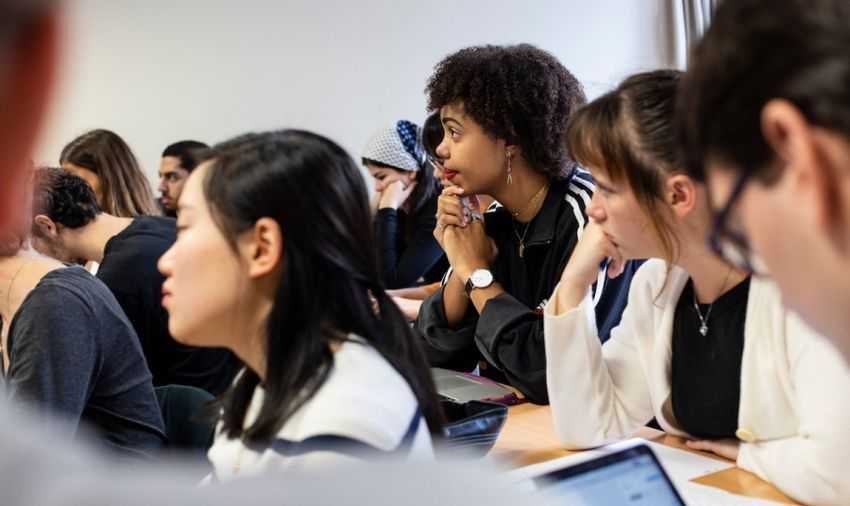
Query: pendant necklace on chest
point(521, 239)
point(515, 214)
point(703, 321)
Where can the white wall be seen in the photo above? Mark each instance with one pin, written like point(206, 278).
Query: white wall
point(157, 71)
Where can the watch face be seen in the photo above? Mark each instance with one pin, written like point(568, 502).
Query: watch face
point(482, 278)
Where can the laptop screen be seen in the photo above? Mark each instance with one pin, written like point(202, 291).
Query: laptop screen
point(632, 477)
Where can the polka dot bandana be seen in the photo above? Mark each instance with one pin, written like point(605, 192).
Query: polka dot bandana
point(399, 146)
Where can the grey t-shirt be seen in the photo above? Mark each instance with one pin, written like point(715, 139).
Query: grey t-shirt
point(73, 352)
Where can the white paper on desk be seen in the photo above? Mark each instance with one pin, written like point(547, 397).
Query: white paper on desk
point(701, 495)
point(683, 466)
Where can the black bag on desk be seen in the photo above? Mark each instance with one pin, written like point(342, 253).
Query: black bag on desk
point(472, 427)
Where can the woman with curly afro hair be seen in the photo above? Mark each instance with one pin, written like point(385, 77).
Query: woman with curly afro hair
point(504, 111)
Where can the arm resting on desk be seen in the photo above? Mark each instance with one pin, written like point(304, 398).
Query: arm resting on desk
point(810, 467)
point(508, 334)
point(598, 393)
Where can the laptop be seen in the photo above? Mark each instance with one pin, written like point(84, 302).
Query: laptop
point(465, 387)
point(632, 477)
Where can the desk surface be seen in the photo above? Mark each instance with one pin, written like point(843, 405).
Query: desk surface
point(528, 438)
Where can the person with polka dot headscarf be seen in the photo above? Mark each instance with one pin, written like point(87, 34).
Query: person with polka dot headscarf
point(407, 204)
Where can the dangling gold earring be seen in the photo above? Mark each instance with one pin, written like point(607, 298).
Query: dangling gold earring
point(510, 178)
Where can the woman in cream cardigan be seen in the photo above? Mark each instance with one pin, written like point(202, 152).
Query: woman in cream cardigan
point(703, 347)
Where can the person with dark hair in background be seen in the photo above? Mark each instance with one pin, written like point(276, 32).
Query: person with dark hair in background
point(432, 136)
point(407, 204)
point(68, 225)
point(107, 164)
point(333, 369)
point(504, 112)
point(409, 300)
point(178, 161)
point(703, 347)
point(765, 119)
point(69, 351)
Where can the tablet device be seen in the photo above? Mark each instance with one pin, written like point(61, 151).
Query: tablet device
point(632, 477)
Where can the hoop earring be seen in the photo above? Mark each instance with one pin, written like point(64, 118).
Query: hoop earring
point(510, 177)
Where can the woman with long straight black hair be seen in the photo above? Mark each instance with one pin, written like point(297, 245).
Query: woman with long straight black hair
point(274, 261)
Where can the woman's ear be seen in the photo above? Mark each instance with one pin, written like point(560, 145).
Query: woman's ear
point(46, 226)
point(262, 247)
point(680, 193)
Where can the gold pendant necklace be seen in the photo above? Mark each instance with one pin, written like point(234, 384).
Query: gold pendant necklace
point(531, 201)
point(514, 214)
point(521, 239)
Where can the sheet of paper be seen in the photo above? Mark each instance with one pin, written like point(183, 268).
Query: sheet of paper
point(683, 466)
point(701, 495)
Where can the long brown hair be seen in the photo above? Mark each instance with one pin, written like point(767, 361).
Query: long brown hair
point(124, 187)
point(629, 134)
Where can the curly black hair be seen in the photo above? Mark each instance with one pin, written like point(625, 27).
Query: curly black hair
point(520, 93)
point(64, 197)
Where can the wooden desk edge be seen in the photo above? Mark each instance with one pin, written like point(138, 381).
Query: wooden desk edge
point(528, 437)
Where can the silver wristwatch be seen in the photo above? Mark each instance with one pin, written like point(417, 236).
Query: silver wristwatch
point(480, 278)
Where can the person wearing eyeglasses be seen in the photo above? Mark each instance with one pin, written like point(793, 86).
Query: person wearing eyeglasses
point(704, 347)
point(409, 300)
point(771, 136)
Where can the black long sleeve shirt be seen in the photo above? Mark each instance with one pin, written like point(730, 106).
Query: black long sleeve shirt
point(407, 250)
point(508, 333)
point(129, 269)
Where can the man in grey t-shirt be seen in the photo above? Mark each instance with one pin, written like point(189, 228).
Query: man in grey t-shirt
point(72, 352)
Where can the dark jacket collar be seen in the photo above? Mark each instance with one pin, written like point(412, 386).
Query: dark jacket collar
point(543, 225)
